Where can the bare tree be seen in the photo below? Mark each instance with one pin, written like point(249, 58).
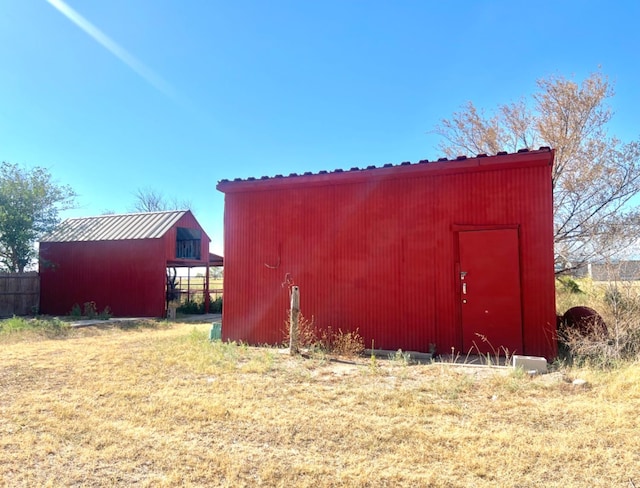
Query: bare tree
point(150, 200)
point(594, 175)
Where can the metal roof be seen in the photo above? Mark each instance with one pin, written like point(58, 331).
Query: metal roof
point(150, 225)
point(461, 163)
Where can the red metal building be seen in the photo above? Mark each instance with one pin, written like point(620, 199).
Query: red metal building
point(455, 253)
point(118, 261)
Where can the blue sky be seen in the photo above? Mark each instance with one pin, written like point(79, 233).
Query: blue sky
point(175, 95)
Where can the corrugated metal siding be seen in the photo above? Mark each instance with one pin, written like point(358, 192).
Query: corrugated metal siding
point(151, 225)
point(127, 276)
point(538, 278)
point(352, 269)
point(379, 254)
point(520, 197)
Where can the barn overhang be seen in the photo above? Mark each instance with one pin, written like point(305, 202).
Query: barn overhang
point(214, 261)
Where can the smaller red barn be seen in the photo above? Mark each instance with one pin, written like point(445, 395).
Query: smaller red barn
point(118, 261)
point(447, 254)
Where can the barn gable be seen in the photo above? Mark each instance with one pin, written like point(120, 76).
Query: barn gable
point(119, 261)
point(452, 254)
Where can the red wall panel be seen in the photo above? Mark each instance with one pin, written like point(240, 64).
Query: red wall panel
point(127, 276)
point(376, 249)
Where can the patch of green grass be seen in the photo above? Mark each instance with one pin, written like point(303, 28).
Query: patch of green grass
point(140, 324)
point(401, 358)
point(25, 329)
point(202, 355)
point(46, 327)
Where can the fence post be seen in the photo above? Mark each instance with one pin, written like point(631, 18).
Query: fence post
point(293, 320)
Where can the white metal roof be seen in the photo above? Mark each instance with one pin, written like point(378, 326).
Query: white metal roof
point(150, 225)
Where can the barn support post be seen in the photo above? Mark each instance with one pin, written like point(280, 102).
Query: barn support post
point(294, 314)
point(206, 290)
point(189, 285)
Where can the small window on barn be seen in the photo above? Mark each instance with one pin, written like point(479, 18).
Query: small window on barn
point(188, 243)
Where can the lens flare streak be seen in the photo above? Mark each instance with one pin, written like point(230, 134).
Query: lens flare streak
point(113, 47)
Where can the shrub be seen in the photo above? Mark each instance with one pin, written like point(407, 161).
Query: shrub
point(314, 338)
point(191, 308)
point(349, 343)
point(76, 311)
point(195, 307)
point(307, 333)
point(609, 346)
point(215, 306)
point(105, 314)
point(569, 285)
point(621, 301)
point(89, 311)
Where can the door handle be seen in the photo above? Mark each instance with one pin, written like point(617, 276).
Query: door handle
point(464, 288)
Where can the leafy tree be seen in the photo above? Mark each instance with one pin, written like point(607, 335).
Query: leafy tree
point(595, 176)
point(29, 204)
point(150, 200)
point(216, 272)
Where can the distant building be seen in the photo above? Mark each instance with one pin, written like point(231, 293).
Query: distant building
point(614, 271)
point(119, 261)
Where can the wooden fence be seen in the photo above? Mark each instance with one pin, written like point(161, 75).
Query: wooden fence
point(19, 293)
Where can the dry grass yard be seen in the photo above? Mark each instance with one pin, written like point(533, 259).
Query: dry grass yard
point(161, 406)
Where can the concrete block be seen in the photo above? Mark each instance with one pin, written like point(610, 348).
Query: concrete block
point(530, 363)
